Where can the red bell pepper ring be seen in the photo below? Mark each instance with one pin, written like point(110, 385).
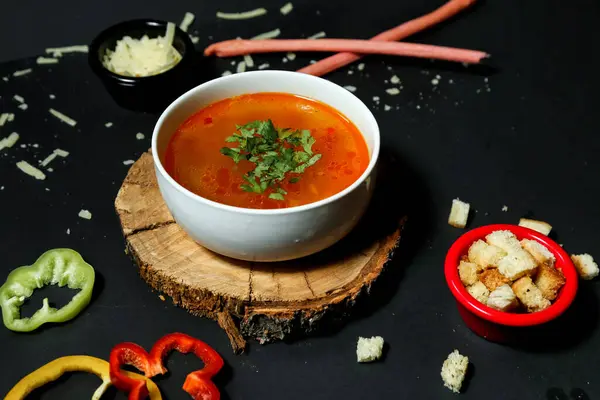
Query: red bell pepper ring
point(198, 383)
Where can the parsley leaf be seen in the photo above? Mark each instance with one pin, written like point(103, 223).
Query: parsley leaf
point(275, 152)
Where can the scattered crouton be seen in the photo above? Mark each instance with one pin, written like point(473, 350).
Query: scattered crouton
point(540, 252)
point(516, 264)
point(467, 272)
point(549, 280)
point(454, 371)
point(530, 295)
point(492, 279)
point(369, 349)
point(540, 226)
point(459, 213)
point(485, 255)
point(587, 268)
point(503, 299)
point(506, 240)
point(479, 291)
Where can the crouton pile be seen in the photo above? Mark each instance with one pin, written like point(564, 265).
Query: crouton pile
point(511, 275)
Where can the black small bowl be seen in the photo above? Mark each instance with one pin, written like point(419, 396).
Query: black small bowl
point(151, 93)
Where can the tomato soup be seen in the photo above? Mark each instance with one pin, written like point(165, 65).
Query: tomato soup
point(195, 160)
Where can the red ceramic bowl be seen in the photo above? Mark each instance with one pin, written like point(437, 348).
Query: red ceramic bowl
point(505, 327)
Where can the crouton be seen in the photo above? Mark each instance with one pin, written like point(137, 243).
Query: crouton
point(586, 266)
point(506, 240)
point(468, 272)
point(479, 291)
point(454, 371)
point(503, 299)
point(459, 214)
point(530, 295)
point(549, 280)
point(516, 264)
point(369, 349)
point(484, 255)
point(540, 252)
point(492, 279)
point(539, 226)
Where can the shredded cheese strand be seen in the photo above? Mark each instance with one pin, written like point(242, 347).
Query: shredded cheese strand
point(188, 19)
point(267, 35)
point(242, 15)
point(31, 170)
point(63, 117)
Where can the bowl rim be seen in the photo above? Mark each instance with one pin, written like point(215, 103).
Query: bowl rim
point(107, 33)
point(563, 262)
point(279, 211)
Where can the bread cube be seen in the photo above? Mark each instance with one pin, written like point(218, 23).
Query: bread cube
point(454, 371)
point(530, 295)
point(467, 272)
point(369, 349)
point(479, 291)
point(549, 280)
point(586, 266)
point(484, 255)
point(503, 299)
point(540, 252)
point(459, 213)
point(539, 226)
point(516, 264)
point(506, 240)
point(492, 279)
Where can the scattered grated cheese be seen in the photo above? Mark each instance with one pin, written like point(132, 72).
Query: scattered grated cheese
point(194, 39)
point(5, 78)
point(48, 159)
point(242, 15)
point(31, 170)
point(392, 91)
point(188, 18)
point(52, 97)
point(318, 35)
point(11, 117)
point(350, 88)
point(267, 35)
point(9, 141)
point(4, 117)
point(61, 153)
point(225, 73)
point(68, 231)
point(435, 81)
point(287, 8)
point(108, 124)
point(35, 145)
point(241, 67)
point(248, 61)
point(291, 56)
point(143, 57)
point(139, 136)
point(350, 72)
point(128, 162)
point(22, 72)
point(46, 60)
point(49, 169)
point(263, 66)
point(63, 117)
point(23, 106)
point(386, 107)
point(284, 60)
point(313, 61)
point(361, 66)
point(394, 79)
point(376, 98)
point(85, 214)
point(505, 208)
point(19, 98)
point(59, 51)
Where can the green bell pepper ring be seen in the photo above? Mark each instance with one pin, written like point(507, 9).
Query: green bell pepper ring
point(55, 267)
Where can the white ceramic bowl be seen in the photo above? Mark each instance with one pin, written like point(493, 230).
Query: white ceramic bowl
point(266, 235)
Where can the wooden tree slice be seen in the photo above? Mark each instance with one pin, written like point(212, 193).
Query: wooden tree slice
point(265, 301)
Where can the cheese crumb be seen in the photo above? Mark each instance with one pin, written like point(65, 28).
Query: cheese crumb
point(46, 60)
point(505, 208)
point(386, 107)
point(63, 117)
point(9, 141)
point(48, 159)
point(369, 349)
point(241, 67)
point(287, 8)
point(267, 35)
point(361, 66)
point(31, 170)
point(61, 153)
point(248, 61)
point(350, 88)
point(194, 39)
point(291, 56)
point(85, 214)
point(128, 162)
point(376, 98)
point(22, 72)
point(108, 124)
point(188, 18)
point(23, 106)
point(435, 81)
point(392, 91)
point(242, 15)
point(139, 136)
point(317, 35)
point(225, 73)
point(11, 117)
point(19, 99)
point(394, 79)
point(52, 97)
point(454, 371)
point(263, 66)
point(68, 231)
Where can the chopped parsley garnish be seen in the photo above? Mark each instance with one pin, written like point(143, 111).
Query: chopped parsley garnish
point(275, 152)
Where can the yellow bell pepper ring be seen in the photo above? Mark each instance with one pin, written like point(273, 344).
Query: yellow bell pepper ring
point(55, 369)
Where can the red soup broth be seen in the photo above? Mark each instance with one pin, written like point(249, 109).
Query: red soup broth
point(194, 160)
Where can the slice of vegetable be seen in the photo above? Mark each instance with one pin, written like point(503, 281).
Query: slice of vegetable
point(198, 383)
point(55, 267)
point(55, 369)
point(400, 32)
point(231, 48)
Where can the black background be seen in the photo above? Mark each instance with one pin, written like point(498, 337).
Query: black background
point(527, 138)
